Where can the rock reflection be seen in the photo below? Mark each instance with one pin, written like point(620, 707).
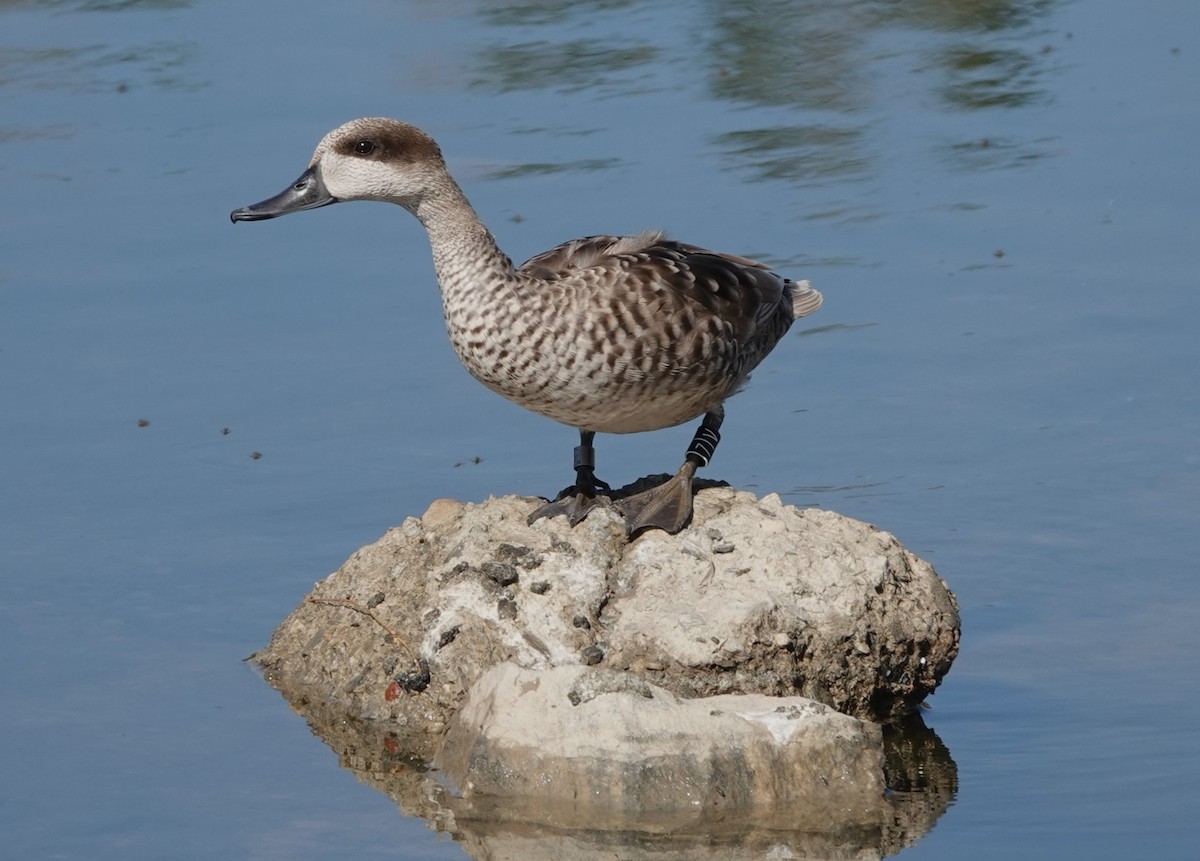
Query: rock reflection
point(921, 774)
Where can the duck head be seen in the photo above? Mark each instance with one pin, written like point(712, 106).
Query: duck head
point(365, 159)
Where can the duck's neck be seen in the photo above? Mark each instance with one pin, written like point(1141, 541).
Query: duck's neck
point(484, 304)
point(466, 258)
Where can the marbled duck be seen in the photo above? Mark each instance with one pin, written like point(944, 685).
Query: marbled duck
point(610, 334)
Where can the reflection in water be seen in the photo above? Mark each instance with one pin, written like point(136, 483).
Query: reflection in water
point(823, 59)
point(780, 52)
point(98, 5)
point(995, 153)
point(983, 78)
point(543, 168)
point(810, 496)
point(799, 153)
point(547, 11)
point(55, 132)
point(565, 67)
point(921, 776)
point(93, 67)
point(97, 68)
point(804, 55)
point(585, 165)
point(125, 5)
point(982, 16)
point(162, 64)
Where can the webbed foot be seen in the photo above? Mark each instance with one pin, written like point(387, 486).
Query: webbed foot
point(575, 504)
point(578, 500)
point(667, 507)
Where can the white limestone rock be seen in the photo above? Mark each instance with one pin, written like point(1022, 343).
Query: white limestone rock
point(754, 597)
point(603, 748)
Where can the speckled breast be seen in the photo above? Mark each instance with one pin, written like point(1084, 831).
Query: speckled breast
point(600, 368)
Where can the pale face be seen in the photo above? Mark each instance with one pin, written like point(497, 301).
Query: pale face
point(378, 159)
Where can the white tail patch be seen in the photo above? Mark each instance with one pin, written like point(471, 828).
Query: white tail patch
point(805, 299)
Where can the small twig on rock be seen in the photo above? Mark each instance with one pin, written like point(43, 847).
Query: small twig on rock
point(366, 611)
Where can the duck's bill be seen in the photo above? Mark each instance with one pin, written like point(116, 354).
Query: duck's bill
point(307, 192)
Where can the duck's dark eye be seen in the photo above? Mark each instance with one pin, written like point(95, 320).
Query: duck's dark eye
point(364, 147)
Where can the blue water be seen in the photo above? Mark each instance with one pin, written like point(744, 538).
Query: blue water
point(997, 199)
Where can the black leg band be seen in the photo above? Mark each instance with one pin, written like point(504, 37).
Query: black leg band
point(585, 457)
point(704, 443)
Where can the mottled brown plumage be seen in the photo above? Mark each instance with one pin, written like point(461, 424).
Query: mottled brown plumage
point(612, 334)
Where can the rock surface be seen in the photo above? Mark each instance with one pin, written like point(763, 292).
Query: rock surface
point(754, 597)
point(595, 676)
point(591, 745)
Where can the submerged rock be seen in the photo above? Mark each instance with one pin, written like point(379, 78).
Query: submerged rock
point(598, 746)
point(801, 610)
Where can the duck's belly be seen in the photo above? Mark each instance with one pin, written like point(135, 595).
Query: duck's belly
point(621, 414)
point(611, 400)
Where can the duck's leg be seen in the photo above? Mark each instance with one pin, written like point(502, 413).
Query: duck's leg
point(669, 506)
point(580, 498)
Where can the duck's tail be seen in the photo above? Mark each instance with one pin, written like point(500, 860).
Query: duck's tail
point(805, 300)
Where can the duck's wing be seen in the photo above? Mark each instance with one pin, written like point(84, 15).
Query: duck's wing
point(745, 294)
point(587, 252)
